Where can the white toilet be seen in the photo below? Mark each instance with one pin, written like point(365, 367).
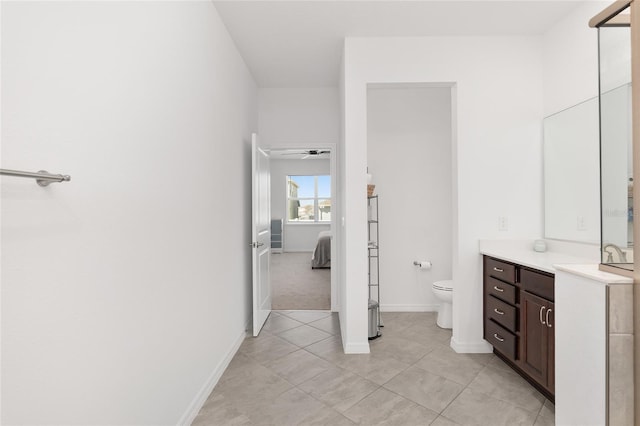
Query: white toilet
point(444, 292)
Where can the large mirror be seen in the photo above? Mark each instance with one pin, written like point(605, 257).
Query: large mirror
point(571, 174)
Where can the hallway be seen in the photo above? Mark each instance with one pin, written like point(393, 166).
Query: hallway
point(295, 373)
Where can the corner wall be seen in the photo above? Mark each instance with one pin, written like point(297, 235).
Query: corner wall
point(299, 116)
point(125, 291)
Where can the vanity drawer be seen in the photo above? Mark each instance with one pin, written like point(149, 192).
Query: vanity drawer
point(501, 270)
point(501, 290)
point(537, 283)
point(501, 339)
point(502, 313)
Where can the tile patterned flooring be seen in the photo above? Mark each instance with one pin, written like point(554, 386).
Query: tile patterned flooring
point(294, 285)
point(295, 373)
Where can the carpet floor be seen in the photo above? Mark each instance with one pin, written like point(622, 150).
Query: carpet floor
point(295, 286)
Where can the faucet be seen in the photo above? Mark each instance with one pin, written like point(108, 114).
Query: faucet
point(622, 255)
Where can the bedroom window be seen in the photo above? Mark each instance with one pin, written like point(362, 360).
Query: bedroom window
point(309, 198)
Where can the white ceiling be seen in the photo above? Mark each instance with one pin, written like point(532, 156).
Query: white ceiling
point(298, 43)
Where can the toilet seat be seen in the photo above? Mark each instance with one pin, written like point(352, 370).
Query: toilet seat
point(446, 285)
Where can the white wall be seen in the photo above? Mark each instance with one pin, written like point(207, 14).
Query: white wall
point(497, 155)
point(299, 236)
point(409, 155)
point(295, 117)
point(581, 350)
point(124, 291)
point(570, 59)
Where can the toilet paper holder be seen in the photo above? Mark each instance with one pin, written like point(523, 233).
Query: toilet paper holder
point(422, 265)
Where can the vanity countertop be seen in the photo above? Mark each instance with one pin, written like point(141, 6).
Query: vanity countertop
point(541, 261)
point(592, 272)
point(549, 261)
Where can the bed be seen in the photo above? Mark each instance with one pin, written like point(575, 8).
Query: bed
point(321, 257)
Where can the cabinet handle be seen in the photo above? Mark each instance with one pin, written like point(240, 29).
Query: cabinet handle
point(496, 288)
point(542, 308)
point(547, 317)
point(498, 269)
point(498, 337)
point(498, 311)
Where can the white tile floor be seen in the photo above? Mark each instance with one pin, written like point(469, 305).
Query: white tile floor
point(295, 373)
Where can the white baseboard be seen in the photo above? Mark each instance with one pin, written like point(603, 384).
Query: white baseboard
point(409, 308)
point(356, 348)
point(201, 397)
point(477, 347)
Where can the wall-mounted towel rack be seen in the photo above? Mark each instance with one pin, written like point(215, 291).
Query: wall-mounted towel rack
point(43, 178)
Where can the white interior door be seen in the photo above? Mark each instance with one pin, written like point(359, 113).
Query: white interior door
point(261, 234)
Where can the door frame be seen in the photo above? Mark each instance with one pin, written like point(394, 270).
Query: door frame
point(335, 260)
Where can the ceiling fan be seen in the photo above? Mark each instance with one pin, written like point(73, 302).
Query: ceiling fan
point(309, 153)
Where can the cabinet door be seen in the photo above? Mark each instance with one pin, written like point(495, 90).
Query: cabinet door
point(550, 318)
point(534, 336)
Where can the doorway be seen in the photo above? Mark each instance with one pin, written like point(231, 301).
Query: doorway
point(410, 156)
point(303, 238)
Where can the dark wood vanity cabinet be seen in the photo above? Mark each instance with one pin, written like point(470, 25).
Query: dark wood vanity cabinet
point(501, 316)
point(519, 320)
point(537, 346)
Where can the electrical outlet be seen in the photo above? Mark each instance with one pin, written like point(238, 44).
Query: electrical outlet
point(581, 224)
point(503, 223)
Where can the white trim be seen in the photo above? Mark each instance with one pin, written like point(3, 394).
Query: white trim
point(356, 348)
point(309, 223)
point(409, 308)
point(352, 348)
point(335, 264)
point(409, 85)
point(477, 347)
point(201, 397)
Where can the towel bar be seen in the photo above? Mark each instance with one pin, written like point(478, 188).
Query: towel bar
point(43, 178)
